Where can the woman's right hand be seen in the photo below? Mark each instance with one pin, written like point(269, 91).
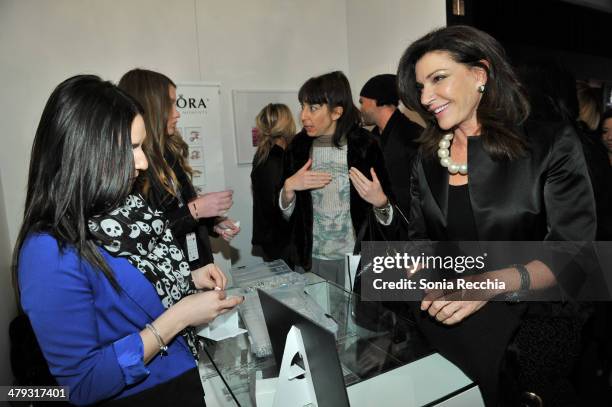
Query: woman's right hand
point(211, 204)
point(305, 179)
point(202, 308)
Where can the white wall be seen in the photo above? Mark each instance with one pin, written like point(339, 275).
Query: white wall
point(8, 309)
point(380, 31)
point(379, 35)
point(264, 44)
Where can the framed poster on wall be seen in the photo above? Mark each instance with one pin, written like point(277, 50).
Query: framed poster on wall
point(200, 126)
point(247, 103)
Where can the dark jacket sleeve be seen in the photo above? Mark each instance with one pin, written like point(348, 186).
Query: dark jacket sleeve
point(568, 195)
point(181, 221)
point(266, 183)
point(269, 227)
point(415, 222)
point(409, 226)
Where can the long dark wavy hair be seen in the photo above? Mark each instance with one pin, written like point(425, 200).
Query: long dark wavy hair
point(334, 90)
point(151, 90)
point(503, 107)
point(81, 165)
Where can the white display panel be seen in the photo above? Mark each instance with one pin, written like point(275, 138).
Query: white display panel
point(200, 126)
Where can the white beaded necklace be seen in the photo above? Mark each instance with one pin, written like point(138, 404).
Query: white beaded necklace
point(444, 155)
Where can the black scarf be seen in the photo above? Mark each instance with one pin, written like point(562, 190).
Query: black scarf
point(141, 235)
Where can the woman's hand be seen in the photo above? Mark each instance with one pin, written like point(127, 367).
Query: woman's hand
point(453, 306)
point(304, 179)
point(209, 276)
point(369, 191)
point(227, 229)
point(202, 308)
point(450, 311)
point(211, 204)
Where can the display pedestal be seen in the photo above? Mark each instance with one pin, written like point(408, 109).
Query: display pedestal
point(293, 387)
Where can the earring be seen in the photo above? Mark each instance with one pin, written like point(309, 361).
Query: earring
point(481, 88)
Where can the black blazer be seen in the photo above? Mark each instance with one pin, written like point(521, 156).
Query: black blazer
point(399, 147)
point(363, 153)
point(270, 230)
point(545, 195)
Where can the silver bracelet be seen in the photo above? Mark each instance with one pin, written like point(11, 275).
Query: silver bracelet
point(383, 211)
point(163, 348)
point(521, 293)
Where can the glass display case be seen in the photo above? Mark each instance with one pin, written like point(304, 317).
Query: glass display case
point(364, 354)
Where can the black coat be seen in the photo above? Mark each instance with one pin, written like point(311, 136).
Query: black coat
point(270, 230)
point(544, 196)
point(363, 153)
point(598, 164)
point(399, 147)
point(181, 221)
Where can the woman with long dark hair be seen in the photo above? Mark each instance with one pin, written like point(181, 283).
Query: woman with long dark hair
point(108, 292)
point(486, 173)
point(327, 210)
point(276, 127)
point(167, 185)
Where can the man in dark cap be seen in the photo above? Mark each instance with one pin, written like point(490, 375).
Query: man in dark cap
point(397, 134)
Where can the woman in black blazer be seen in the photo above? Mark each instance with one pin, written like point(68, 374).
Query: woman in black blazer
point(486, 173)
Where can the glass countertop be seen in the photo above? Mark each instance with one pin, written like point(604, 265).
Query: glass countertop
point(363, 353)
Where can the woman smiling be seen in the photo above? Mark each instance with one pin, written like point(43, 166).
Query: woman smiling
point(487, 173)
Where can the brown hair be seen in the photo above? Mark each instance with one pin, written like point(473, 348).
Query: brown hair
point(503, 107)
point(151, 89)
point(274, 121)
point(589, 104)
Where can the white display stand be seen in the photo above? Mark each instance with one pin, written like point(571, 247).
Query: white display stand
point(294, 386)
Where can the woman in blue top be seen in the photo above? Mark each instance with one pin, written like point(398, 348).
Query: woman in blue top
point(109, 295)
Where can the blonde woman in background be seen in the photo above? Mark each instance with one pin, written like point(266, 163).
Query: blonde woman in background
point(276, 127)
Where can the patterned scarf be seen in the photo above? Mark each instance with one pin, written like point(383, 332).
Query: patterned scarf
point(141, 235)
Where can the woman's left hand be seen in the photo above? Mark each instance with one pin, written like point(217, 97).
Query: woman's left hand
point(227, 229)
point(450, 311)
point(209, 276)
point(369, 191)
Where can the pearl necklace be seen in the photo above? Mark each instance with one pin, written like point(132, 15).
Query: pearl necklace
point(444, 155)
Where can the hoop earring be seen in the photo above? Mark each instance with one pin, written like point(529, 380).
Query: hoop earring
point(481, 88)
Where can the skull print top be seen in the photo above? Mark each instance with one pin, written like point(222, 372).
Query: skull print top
point(141, 235)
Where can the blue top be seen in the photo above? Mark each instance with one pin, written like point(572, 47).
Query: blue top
point(88, 332)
